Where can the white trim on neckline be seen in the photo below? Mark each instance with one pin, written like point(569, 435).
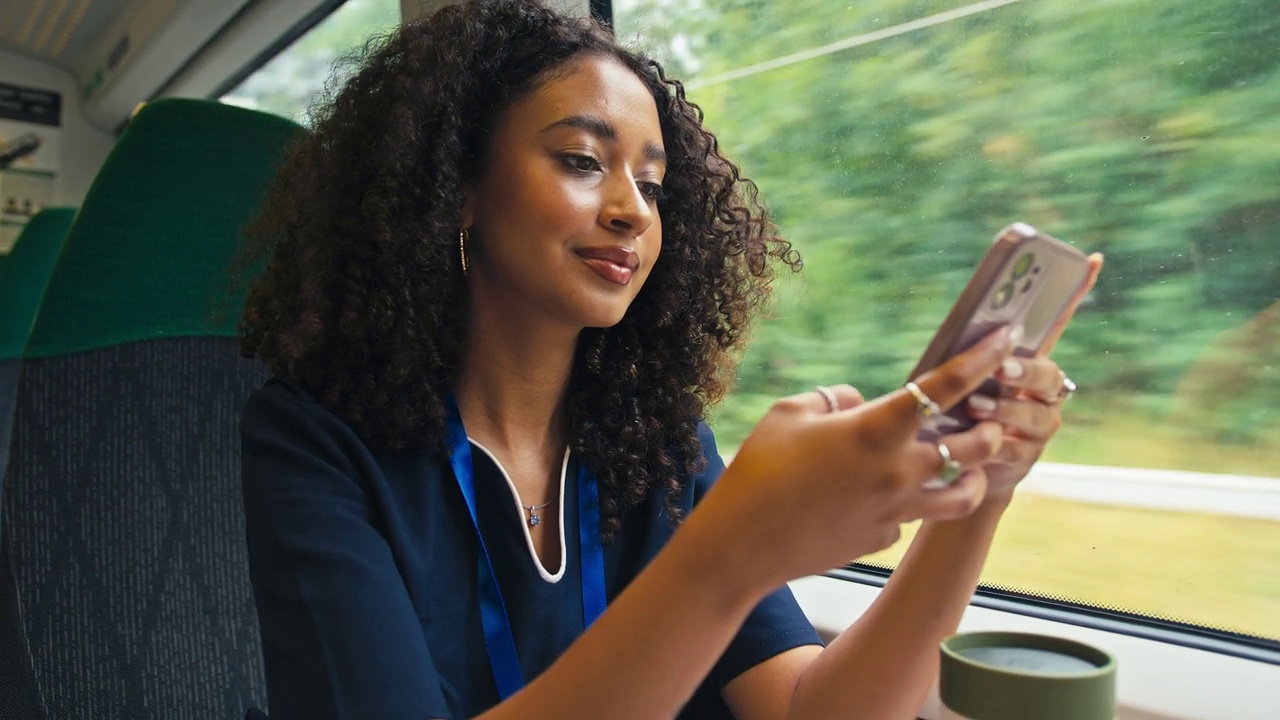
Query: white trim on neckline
point(524, 527)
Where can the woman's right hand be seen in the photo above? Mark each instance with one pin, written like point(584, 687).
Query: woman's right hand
point(812, 489)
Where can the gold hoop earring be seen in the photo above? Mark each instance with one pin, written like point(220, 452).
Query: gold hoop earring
point(462, 248)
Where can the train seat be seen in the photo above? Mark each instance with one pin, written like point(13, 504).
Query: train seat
point(125, 550)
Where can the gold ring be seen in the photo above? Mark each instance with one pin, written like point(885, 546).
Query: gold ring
point(925, 406)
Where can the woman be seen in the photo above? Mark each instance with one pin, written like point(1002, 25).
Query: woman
point(510, 271)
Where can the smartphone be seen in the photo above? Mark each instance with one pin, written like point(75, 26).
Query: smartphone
point(1027, 278)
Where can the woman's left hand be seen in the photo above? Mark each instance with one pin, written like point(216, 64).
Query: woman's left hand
point(1031, 409)
point(1030, 412)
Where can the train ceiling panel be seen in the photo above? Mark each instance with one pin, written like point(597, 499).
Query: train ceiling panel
point(118, 52)
point(46, 29)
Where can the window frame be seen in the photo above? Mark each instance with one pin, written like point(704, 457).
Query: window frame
point(279, 45)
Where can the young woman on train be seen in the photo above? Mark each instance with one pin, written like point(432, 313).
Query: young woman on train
point(509, 273)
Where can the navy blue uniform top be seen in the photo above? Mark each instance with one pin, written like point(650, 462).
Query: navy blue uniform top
point(364, 573)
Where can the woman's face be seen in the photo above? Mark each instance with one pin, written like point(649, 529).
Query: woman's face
point(564, 221)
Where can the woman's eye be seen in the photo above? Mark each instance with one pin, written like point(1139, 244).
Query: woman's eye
point(582, 163)
point(651, 190)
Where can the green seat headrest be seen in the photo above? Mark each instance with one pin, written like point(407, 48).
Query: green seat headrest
point(148, 254)
point(24, 275)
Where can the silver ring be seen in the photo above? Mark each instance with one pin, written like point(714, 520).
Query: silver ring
point(827, 394)
point(925, 406)
point(951, 469)
point(1068, 387)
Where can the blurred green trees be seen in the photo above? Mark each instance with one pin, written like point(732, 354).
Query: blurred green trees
point(1146, 130)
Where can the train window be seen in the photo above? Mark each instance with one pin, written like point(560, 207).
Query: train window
point(892, 138)
point(289, 82)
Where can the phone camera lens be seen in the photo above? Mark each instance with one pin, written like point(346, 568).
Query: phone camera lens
point(1024, 264)
point(1002, 296)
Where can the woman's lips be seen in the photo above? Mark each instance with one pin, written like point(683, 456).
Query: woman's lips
point(613, 263)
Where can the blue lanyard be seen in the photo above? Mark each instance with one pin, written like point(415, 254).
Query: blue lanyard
point(498, 638)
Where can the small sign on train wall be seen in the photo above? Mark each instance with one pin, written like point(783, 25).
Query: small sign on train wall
point(30, 125)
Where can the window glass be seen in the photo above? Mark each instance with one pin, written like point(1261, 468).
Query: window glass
point(893, 138)
point(292, 80)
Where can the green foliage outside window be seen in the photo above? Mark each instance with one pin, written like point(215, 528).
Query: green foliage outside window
point(1149, 131)
point(291, 81)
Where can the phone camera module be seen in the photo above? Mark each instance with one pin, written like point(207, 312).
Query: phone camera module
point(1003, 294)
point(1024, 264)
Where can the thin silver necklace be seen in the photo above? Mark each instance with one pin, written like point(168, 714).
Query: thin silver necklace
point(534, 519)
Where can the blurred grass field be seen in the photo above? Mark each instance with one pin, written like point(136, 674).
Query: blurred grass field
point(1118, 434)
point(1210, 570)
point(1207, 570)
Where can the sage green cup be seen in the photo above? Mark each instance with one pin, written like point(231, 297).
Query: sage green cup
point(1020, 676)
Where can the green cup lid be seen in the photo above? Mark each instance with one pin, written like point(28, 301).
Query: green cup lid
point(1021, 676)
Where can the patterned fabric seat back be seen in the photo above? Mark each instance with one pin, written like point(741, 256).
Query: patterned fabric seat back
point(125, 586)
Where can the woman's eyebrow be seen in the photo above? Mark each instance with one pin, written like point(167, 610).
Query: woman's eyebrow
point(605, 131)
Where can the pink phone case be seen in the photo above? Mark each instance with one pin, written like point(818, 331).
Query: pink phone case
point(1027, 278)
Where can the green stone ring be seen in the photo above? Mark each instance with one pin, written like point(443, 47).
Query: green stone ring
point(951, 469)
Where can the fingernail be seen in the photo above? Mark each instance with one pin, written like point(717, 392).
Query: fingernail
point(1015, 335)
point(982, 404)
point(1011, 368)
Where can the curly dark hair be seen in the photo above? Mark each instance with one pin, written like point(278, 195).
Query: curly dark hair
point(363, 299)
